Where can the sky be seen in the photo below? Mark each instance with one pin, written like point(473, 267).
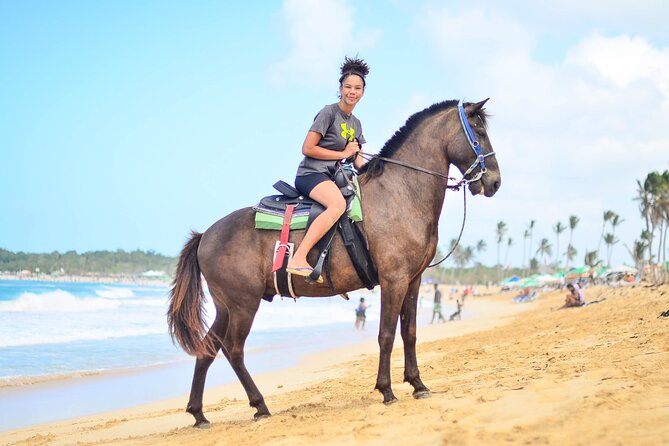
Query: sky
point(125, 124)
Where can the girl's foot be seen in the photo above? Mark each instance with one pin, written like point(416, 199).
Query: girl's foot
point(303, 271)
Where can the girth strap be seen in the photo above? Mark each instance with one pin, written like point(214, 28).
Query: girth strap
point(285, 231)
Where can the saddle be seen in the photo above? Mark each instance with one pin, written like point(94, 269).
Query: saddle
point(292, 211)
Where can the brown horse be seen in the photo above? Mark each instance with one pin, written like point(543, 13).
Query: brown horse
point(402, 195)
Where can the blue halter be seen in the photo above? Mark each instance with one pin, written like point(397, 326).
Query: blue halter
point(474, 144)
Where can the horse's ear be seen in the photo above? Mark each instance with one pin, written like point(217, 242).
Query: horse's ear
point(478, 106)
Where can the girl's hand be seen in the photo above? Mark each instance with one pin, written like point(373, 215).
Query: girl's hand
point(351, 149)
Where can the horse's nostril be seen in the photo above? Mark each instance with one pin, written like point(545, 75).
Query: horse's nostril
point(496, 186)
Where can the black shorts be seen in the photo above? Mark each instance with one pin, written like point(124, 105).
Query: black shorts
point(305, 184)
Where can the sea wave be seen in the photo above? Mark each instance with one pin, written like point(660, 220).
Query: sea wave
point(59, 301)
point(56, 301)
point(115, 293)
point(89, 334)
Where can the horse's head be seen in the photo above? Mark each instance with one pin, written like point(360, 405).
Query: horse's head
point(472, 152)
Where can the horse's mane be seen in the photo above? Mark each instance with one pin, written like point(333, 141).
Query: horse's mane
point(374, 167)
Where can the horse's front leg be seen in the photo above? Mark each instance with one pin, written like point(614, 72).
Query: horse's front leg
point(392, 295)
point(408, 324)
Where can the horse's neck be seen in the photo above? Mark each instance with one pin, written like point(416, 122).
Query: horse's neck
point(419, 194)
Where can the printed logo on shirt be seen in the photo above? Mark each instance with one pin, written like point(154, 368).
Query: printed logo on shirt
point(347, 133)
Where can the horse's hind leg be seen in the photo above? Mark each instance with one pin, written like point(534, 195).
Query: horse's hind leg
point(233, 349)
point(408, 323)
point(217, 333)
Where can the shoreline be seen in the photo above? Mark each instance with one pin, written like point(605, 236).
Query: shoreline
point(283, 376)
point(120, 279)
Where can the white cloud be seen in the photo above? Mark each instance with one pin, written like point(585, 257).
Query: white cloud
point(624, 60)
point(319, 34)
point(572, 137)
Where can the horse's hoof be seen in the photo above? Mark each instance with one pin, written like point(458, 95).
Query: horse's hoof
point(260, 416)
point(393, 400)
point(422, 394)
point(205, 424)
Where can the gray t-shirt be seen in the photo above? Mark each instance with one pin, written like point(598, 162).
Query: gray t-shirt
point(336, 129)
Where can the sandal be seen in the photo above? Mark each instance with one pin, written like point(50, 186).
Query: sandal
point(304, 271)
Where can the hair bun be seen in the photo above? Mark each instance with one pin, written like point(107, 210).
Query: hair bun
point(354, 66)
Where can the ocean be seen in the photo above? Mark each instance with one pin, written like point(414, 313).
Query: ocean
point(65, 329)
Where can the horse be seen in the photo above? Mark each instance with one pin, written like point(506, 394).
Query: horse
point(402, 189)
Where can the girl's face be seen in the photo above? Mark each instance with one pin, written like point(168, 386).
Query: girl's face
point(352, 90)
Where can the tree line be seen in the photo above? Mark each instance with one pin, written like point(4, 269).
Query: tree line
point(648, 252)
point(90, 262)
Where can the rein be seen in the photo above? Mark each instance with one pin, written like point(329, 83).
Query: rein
point(480, 160)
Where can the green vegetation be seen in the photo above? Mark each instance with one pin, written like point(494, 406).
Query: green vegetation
point(91, 262)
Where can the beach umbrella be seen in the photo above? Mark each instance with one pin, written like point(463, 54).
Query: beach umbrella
point(624, 269)
point(529, 282)
point(546, 278)
point(510, 281)
point(580, 270)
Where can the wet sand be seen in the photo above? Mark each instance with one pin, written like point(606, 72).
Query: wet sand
point(512, 373)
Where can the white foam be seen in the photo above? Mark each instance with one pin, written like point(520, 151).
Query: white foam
point(115, 293)
point(65, 336)
point(55, 301)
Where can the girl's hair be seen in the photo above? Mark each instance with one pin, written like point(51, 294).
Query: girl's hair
point(353, 66)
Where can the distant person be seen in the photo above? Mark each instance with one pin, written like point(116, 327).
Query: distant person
point(436, 307)
point(361, 314)
point(574, 298)
point(457, 313)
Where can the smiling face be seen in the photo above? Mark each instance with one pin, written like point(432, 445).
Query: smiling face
point(351, 90)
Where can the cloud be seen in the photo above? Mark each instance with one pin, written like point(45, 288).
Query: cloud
point(319, 35)
point(573, 135)
point(623, 61)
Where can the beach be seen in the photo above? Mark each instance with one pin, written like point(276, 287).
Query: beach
point(517, 373)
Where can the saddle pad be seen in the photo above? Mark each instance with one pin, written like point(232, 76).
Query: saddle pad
point(274, 222)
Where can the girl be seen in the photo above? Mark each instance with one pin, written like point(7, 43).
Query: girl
point(335, 134)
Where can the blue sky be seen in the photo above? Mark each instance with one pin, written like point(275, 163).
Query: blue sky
point(123, 125)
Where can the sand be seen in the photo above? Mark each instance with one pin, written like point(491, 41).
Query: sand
point(514, 373)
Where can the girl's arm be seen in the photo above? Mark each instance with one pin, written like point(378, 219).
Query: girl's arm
point(311, 148)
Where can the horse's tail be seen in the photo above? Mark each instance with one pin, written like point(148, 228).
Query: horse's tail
point(185, 315)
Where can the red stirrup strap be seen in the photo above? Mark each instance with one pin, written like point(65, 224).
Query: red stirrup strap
point(283, 244)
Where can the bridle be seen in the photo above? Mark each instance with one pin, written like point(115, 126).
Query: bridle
point(479, 162)
point(473, 143)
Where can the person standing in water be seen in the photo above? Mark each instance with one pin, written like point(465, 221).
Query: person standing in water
point(436, 309)
point(335, 134)
point(361, 314)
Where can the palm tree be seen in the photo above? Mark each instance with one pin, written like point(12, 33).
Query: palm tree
point(645, 205)
point(530, 228)
point(591, 258)
point(608, 215)
point(501, 231)
point(610, 240)
point(637, 252)
point(615, 222)
point(509, 243)
point(573, 221)
point(481, 246)
point(559, 229)
point(545, 248)
point(571, 254)
point(463, 255)
point(526, 235)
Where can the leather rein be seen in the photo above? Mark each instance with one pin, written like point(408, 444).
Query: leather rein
point(480, 160)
